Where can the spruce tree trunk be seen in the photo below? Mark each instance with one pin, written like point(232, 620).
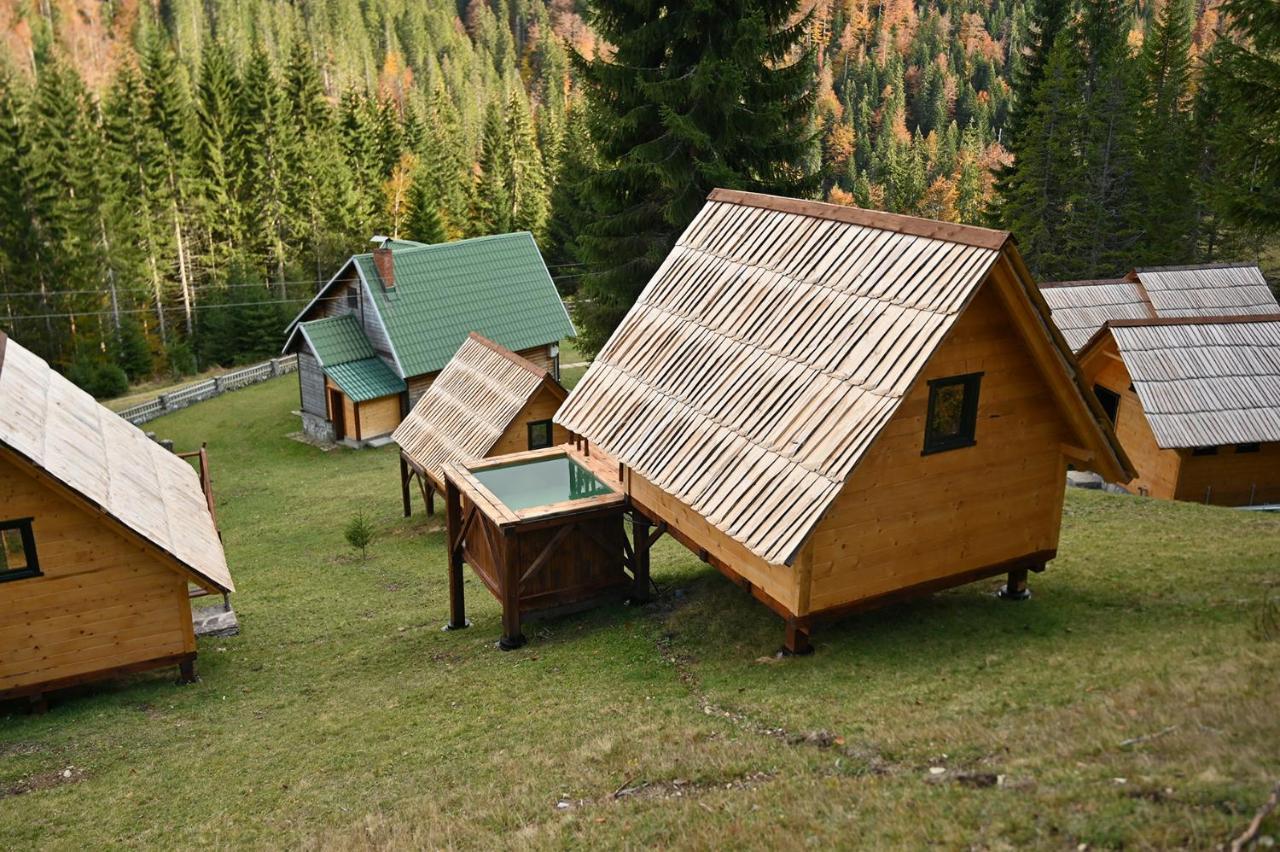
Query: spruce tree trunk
point(183, 277)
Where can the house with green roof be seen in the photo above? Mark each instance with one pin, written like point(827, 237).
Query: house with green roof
point(374, 338)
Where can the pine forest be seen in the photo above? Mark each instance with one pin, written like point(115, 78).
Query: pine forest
point(179, 177)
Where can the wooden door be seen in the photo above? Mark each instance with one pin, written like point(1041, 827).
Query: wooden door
point(336, 414)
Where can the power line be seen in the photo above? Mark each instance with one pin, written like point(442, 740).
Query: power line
point(79, 314)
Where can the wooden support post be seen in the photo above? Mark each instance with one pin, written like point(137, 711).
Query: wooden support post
point(796, 643)
point(512, 638)
point(187, 670)
point(640, 527)
point(1016, 587)
point(37, 704)
point(454, 538)
point(404, 487)
point(431, 499)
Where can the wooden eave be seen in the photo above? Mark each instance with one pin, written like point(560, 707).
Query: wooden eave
point(1062, 370)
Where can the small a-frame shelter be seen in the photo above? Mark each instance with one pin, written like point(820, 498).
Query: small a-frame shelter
point(1196, 404)
point(487, 401)
point(837, 407)
point(101, 531)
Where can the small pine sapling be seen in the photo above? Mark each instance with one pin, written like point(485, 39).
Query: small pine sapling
point(359, 534)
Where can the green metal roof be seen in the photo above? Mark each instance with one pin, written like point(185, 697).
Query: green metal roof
point(497, 286)
point(397, 245)
point(368, 378)
point(337, 340)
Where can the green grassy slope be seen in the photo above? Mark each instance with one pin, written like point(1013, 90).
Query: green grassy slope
point(343, 716)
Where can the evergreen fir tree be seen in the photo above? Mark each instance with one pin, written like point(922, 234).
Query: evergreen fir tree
point(1246, 75)
point(1037, 198)
point(693, 97)
point(1105, 220)
point(530, 206)
point(1167, 201)
point(494, 181)
point(422, 221)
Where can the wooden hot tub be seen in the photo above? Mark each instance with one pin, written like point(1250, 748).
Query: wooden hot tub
point(543, 531)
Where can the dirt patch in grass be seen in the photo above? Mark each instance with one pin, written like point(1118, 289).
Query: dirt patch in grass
point(43, 781)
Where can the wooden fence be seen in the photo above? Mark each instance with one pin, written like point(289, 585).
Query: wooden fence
point(209, 388)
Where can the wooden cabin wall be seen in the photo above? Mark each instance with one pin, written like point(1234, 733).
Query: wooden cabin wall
point(905, 518)
point(101, 602)
point(540, 356)
point(515, 439)
point(776, 581)
point(1157, 469)
point(418, 385)
point(1231, 478)
point(311, 382)
point(379, 416)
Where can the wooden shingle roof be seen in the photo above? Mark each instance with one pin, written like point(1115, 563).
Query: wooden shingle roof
point(768, 351)
point(1080, 308)
point(62, 433)
point(1203, 381)
point(1223, 289)
point(470, 404)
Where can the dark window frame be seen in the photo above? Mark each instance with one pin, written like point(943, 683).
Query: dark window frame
point(1249, 447)
point(32, 569)
point(533, 424)
point(968, 434)
point(1110, 401)
point(1211, 450)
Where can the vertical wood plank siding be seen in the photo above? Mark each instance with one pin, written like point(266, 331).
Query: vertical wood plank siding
point(311, 380)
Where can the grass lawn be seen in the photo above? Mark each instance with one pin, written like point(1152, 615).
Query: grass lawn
point(1132, 702)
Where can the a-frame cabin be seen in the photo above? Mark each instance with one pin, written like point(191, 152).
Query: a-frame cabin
point(838, 407)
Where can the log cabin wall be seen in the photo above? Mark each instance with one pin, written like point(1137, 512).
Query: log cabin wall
point(1157, 468)
point(540, 356)
point(905, 518)
point(1230, 477)
point(102, 602)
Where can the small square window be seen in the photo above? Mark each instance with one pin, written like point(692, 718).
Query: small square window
point(1251, 447)
point(539, 434)
point(1110, 401)
point(953, 413)
point(1205, 451)
point(353, 300)
point(17, 550)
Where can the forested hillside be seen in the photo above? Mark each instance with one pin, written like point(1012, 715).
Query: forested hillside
point(176, 178)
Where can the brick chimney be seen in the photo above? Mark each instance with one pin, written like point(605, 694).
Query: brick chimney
point(386, 267)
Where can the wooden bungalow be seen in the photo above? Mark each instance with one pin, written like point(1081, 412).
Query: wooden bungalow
point(378, 333)
point(487, 401)
point(1080, 308)
point(101, 531)
point(1196, 404)
point(838, 407)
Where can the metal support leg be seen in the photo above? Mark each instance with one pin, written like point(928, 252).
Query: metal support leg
point(1016, 587)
